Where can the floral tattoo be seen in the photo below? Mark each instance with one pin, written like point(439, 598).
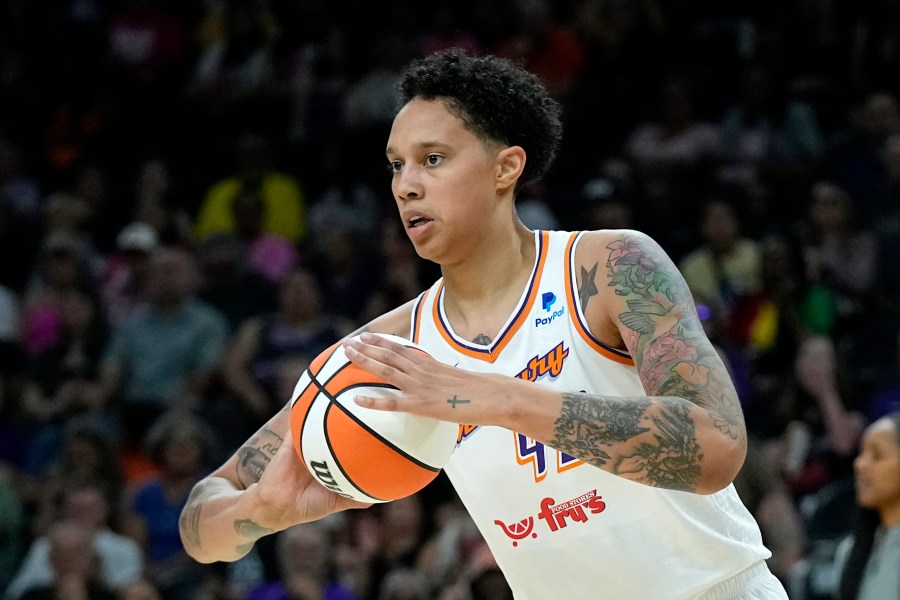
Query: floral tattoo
point(651, 441)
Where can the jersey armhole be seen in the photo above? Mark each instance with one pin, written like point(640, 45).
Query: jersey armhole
point(577, 315)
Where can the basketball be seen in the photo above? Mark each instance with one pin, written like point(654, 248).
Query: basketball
point(360, 453)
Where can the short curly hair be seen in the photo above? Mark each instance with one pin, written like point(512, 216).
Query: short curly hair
point(497, 99)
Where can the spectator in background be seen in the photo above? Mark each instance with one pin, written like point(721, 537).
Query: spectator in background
point(855, 158)
point(88, 506)
point(404, 584)
point(61, 274)
point(165, 356)
point(88, 457)
point(320, 72)
point(267, 254)
point(674, 151)
point(762, 488)
point(123, 284)
point(284, 204)
point(305, 567)
point(839, 253)
point(229, 284)
point(69, 215)
point(183, 448)
point(765, 133)
point(74, 567)
point(786, 311)
point(726, 268)
point(57, 387)
point(346, 270)
point(820, 422)
point(347, 198)
point(270, 349)
point(157, 203)
point(867, 560)
point(235, 67)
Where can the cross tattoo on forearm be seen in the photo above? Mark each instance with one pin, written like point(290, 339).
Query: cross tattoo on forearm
point(456, 400)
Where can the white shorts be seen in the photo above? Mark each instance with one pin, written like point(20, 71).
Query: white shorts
point(756, 583)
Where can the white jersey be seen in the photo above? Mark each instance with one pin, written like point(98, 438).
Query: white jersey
point(558, 527)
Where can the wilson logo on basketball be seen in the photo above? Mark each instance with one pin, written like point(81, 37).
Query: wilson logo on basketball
point(323, 474)
point(555, 516)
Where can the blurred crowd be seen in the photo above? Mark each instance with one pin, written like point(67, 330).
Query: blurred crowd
point(194, 204)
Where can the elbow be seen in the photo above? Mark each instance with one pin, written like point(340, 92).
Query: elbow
point(723, 464)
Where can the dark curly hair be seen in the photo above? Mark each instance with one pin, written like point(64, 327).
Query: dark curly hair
point(496, 98)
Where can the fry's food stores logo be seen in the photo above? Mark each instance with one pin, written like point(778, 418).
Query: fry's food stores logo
point(555, 516)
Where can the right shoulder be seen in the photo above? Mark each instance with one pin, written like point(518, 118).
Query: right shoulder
point(395, 322)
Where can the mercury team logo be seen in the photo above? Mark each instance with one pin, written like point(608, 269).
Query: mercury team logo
point(555, 516)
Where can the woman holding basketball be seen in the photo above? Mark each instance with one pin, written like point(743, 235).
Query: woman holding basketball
point(602, 432)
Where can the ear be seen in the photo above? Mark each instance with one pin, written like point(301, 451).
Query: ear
point(510, 163)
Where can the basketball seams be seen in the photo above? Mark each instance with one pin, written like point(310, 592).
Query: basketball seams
point(337, 461)
point(350, 441)
point(334, 402)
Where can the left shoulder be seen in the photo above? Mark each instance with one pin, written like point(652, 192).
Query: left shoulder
point(606, 259)
point(612, 244)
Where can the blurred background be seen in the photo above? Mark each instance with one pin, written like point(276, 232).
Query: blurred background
point(194, 203)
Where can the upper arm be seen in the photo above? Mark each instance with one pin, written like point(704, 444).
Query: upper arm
point(643, 296)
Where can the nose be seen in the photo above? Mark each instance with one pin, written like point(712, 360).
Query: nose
point(407, 183)
point(859, 463)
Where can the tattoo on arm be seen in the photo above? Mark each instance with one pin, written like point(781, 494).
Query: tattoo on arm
point(255, 455)
point(457, 400)
point(671, 350)
point(189, 521)
point(588, 286)
point(249, 529)
point(598, 430)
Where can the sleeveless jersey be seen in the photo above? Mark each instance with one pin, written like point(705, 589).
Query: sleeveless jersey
point(559, 527)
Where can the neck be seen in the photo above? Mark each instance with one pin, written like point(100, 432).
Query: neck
point(490, 268)
point(890, 515)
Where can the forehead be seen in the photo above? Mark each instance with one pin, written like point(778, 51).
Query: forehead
point(422, 123)
point(883, 432)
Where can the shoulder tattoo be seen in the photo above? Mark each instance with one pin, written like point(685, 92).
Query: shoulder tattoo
point(671, 350)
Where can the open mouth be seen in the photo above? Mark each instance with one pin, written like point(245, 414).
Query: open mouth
point(417, 222)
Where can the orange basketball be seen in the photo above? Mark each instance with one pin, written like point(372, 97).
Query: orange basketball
point(361, 453)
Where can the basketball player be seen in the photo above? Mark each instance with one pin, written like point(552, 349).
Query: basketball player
point(602, 432)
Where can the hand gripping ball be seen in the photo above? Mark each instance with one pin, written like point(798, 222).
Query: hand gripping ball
point(361, 453)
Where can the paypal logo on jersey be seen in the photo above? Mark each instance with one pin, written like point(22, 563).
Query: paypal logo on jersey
point(547, 301)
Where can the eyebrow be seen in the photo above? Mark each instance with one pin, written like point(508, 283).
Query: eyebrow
point(420, 146)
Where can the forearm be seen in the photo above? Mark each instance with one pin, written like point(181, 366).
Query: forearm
point(842, 426)
point(661, 441)
point(218, 524)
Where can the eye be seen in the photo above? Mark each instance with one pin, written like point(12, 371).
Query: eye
point(432, 160)
point(394, 167)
